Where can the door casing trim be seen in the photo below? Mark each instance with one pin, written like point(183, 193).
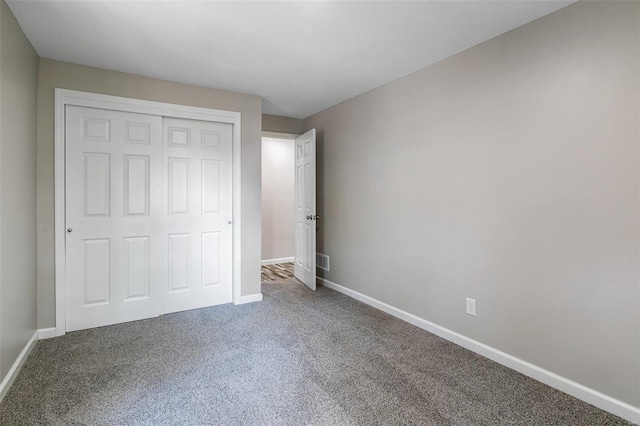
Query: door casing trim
point(64, 97)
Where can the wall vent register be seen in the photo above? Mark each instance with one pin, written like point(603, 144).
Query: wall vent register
point(322, 261)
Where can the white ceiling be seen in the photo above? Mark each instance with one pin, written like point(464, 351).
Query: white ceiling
point(300, 56)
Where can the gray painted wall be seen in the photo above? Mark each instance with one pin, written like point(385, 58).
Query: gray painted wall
point(18, 79)
point(69, 76)
point(279, 124)
point(278, 209)
point(508, 173)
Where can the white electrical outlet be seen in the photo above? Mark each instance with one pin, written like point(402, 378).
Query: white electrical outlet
point(471, 306)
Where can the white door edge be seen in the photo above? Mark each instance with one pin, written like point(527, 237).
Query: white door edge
point(64, 97)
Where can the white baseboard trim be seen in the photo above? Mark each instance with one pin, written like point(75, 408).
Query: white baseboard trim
point(249, 299)
point(15, 368)
point(281, 260)
point(591, 396)
point(46, 333)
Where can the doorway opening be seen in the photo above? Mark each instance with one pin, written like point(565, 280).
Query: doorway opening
point(278, 207)
point(289, 207)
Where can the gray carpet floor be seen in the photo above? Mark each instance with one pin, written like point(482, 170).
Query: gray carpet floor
point(297, 358)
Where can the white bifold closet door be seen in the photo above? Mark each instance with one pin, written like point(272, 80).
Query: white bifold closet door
point(148, 200)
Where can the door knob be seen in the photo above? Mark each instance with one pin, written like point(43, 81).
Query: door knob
point(69, 230)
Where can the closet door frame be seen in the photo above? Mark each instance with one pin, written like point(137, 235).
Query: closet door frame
point(64, 97)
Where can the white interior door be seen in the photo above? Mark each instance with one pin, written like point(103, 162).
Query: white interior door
point(148, 216)
point(197, 229)
point(113, 217)
point(305, 262)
